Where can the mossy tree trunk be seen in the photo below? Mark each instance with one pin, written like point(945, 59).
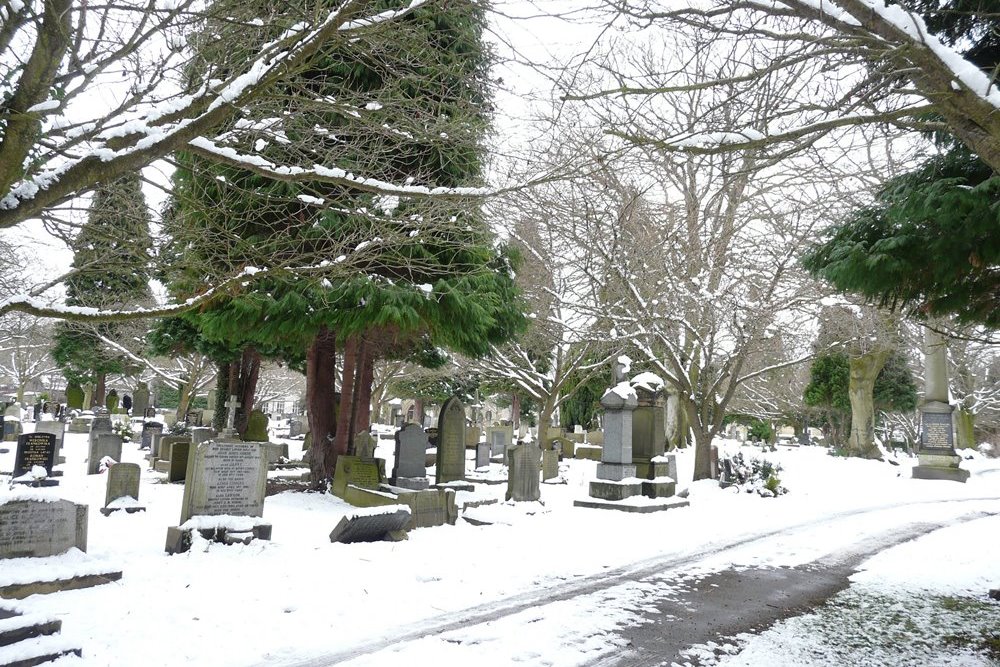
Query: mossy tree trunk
point(864, 370)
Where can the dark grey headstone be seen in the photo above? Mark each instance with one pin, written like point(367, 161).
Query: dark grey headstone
point(201, 434)
point(482, 455)
point(38, 528)
point(123, 481)
point(523, 461)
point(140, 400)
point(451, 442)
point(411, 452)
point(148, 429)
point(550, 464)
point(177, 471)
point(371, 528)
point(101, 445)
point(34, 449)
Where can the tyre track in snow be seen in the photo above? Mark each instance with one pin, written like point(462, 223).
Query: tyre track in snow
point(846, 560)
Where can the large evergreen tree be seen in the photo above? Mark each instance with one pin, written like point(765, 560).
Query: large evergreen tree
point(111, 270)
point(408, 102)
point(929, 242)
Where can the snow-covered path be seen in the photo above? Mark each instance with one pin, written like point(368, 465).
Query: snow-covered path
point(630, 601)
point(546, 584)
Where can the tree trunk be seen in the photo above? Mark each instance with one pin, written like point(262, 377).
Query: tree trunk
point(321, 404)
point(965, 428)
point(702, 443)
point(545, 421)
point(515, 411)
point(361, 415)
point(342, 440)
point(184, 402)
point(221, 395)
point(418, 411)
point(864, 370)
point(100, 388)
point(249, 373)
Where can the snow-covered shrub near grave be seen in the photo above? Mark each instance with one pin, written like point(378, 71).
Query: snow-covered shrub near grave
point(123, 430)
point(757, 474)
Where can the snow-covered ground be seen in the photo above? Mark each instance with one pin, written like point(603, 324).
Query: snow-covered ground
point(299, 596)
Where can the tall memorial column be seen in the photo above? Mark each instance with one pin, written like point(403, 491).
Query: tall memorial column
point(936, 452)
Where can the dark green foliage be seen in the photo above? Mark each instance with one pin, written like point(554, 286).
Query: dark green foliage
point(895, 388)
point(170, 397)
point(829, 379)
point(929, 242)
point(428, 73)
point(585, 404)
point(111, 260)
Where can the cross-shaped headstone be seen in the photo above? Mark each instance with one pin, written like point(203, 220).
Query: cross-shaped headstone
point(231, 406)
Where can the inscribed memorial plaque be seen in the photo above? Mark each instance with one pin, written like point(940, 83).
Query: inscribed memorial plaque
point(936, 431)
point(225, 478)
point(38, 528)
point(34, 449)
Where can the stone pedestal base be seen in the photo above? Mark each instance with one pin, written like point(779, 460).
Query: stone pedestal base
point(179, 539)
point(662, 487)
point(415, 483)
point(949, 473)
point(612, 490)
point(615, 472)
point(644, 508)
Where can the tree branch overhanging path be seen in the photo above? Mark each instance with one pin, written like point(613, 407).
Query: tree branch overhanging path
point(909, 72)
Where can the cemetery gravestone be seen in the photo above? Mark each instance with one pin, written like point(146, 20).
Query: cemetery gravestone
point(408, 470)
point(498, 441)
point(482, 455)
point(451, 442)
point(148, 430)
point(364, 473)
point(123, 489)
point(35, 449)
point(201, 434)
point(383, 523)
point(472, 435)
point(39, 528)
point(102, 445)
point(140, 400)
point(523, 460)
point(256, 427)
point(364, 445)
point(177, 470)
point(550, 464)
point(225, 478)
point(57, 429)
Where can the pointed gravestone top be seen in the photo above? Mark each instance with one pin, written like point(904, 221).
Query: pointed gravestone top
point(364, 445)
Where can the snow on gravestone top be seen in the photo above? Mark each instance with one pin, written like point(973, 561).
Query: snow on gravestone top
point(37, 528)
point(224, 477)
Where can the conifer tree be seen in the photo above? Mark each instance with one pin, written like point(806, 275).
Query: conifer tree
point(929, 242)
point(111, 270)
point(393, 277)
